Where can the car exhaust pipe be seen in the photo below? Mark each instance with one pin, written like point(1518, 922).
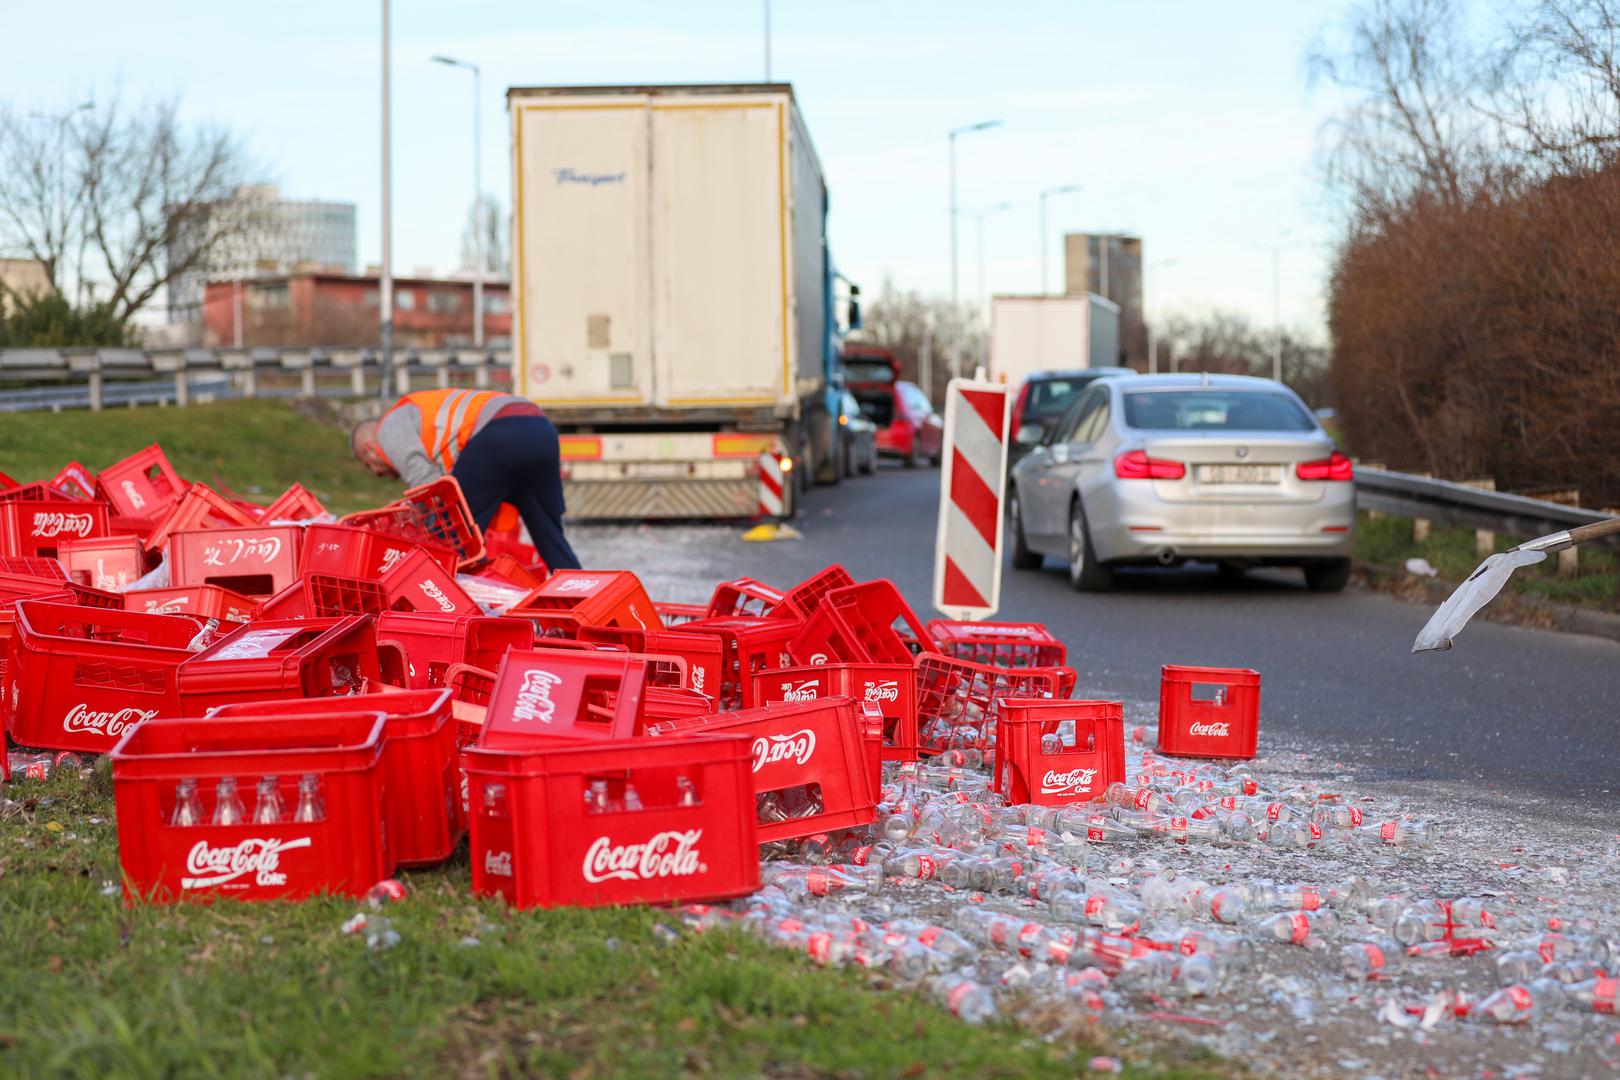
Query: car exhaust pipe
point(1167, 556)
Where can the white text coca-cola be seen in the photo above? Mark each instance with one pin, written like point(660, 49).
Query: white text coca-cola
point(773, 748)
point(579, 584)
point(208, 866)
point(887, 690)
point(534, 697)
point(498, 863)
point(431, 590)
point(808, 690)
point(1216, 727)
point(1075, 780)
point(49, 523)
point(667, 854)
point(112, 723)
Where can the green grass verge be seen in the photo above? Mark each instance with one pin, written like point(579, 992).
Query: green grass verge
point(1387, 541)
point(254, 448)
point(92, 988)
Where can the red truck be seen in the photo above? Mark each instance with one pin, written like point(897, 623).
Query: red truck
point(907, 425)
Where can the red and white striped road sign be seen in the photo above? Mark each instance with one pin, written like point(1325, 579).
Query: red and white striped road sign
point(770, 485)
point(973, 484)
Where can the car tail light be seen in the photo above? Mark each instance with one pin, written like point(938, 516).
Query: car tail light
point(1136, 465)
point(1336, 467)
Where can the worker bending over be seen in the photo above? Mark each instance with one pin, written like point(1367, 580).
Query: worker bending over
point(499, 447)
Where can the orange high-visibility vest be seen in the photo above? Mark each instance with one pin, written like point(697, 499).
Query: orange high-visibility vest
point(449, 418)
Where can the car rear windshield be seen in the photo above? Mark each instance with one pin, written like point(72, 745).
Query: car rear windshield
point(1050, 397)
point(1214, 410)
point(858, 370)
point(878, 408)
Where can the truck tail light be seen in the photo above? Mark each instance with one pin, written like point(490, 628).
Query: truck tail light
point(1136, 465)
point(1336, 467)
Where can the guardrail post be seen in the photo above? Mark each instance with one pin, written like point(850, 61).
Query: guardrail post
point(306, 382)
point(182, 388)
point(441, 376)
point(1568, 562)
point(1484, 539)
point(95, 390)
point(481, 376)
point(357, 381)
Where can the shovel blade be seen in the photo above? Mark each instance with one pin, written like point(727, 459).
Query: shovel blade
point(1480, 588)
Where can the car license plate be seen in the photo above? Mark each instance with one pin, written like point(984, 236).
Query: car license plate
point(1239, 474)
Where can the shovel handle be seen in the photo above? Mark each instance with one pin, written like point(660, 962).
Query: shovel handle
point(1593, 531)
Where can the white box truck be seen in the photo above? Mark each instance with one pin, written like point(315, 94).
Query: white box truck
point(675, 296)
point(1051, 333)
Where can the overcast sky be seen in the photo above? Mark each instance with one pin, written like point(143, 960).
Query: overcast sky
point(1191, 123)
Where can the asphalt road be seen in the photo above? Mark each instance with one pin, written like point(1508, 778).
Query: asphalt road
point(1525, 711)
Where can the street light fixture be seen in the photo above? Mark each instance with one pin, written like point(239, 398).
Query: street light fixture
point(478, 197)
point(983, 125)
point(1276, 248)
point(978, 217)
point(1066, 189)
point(385, 275)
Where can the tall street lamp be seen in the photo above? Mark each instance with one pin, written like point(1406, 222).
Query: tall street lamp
point(1276, 248)
point(1066, 189)
point(978, 217)
point(478, 199)
point(1152, 339)
point(385, 292)
point(983, 125)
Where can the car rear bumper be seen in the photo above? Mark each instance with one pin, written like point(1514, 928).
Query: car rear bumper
point(1131, 523)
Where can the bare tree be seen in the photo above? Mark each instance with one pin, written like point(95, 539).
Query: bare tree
point(490, 221)
point(1557, 90)
point(912, 326)
point(118, 203)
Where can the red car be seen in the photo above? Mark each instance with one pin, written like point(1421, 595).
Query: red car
point(907, 425)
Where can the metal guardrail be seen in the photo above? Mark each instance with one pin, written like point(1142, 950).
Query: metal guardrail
point(1449, 503)
point(96, 378)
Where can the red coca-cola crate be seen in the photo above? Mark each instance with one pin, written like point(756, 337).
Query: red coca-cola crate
point(198, 601)
point(506, 546)
point(281, 658)
point(804, 754)
point(420, 770)
point(673, 615)
point(749, 646)
point(258, 560)
point(325, 596)
point(660, 704)
point(343, 851)
point(23, 567)
point(507, 569)
point(548, 694)
point(74, 481)
point(891, 689)
point(103, 562)
point(959, 701)
point(418, 583)
point(1053, 752)
point(77, 676)
point(535, 841)
point(347, 552)
point(872, 724)
point(471, 690)
point(801, 601)
point(1002, 644)
point(433, 644)
point(35, 528)
point(744, 596)
point(201, 507)
point(294, 504)
point(1209, 712)
point(570, 599)
point(869, 623)
point(704, 654)
point(434, 515)
point(143, 485)
point(7, 483)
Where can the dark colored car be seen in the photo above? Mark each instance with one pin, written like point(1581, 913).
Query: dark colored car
point(907, 425)
point(859, 436)
point(1042, 401)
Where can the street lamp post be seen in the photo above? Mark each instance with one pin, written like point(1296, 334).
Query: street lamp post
point(767, 40)
point(385, 295)
point(478, 198)
point(1152, 338)
point(1066, 189)
point(983, 125)
point(978, 217)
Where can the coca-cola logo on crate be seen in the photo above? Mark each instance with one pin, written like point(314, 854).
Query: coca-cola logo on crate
point(432, 591)
point(883, 690)
point(498, 863)
point(1077, 781)
point(208, 866)
point(1222, 728)
point(392, 558)
point(232, 550)
point(768, 750)
point(172, 606)
point(801, 690)
point(672, 853)
point(49, 523)
point(578, 584)
point(112, 723)
point(135, 499)
point(534, 697)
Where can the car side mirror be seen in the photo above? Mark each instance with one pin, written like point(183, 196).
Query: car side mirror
point(1029, 435)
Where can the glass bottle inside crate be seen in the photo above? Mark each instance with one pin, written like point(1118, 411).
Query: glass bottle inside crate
point(311, 807)
point(188, 808)
point(227, 804)
point(267, 801)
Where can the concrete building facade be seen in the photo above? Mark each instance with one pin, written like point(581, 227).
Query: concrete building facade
point(1110, 265)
